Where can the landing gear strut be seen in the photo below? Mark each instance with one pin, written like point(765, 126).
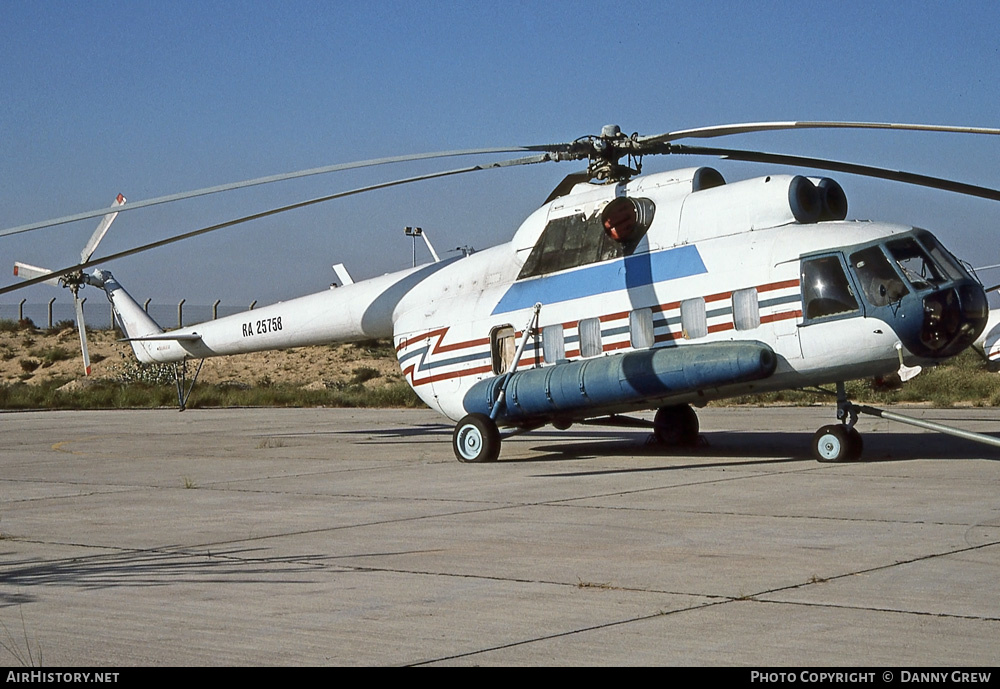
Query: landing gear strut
point(476, 437)
point(184, 389)
point(839, 442)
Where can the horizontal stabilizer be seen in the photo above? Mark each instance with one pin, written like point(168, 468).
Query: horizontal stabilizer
point(27, 272)
point(189, 337)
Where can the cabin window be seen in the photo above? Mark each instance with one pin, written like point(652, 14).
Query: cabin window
point(826, 291)
point(746, 312)
point(502, 348)
point(693, 318)
point(553, 343)
point(640, 327)
point(880, 283)
point(590, 337)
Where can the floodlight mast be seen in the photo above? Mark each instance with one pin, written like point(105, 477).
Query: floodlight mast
point(413, 233)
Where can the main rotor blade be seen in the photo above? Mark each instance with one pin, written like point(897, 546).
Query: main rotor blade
point(170, 198)
point(541, 158)
point(750, 127)
point(561, 151)
point(838, 166)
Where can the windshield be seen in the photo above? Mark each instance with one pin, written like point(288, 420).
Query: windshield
point(942, 257)
point(917, 266)
point(881, 284)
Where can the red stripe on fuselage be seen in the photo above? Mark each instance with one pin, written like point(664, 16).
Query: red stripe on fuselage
point(440, 333)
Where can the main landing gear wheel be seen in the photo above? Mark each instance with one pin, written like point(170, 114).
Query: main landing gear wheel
point(837, 443)
point(676, 426)
point(476, 439)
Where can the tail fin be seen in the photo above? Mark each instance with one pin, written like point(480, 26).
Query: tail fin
point(134, 320)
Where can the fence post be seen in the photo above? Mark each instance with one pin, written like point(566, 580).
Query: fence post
point(215, 309)
point(20, 310)
point(180, 313)
point(50, 310)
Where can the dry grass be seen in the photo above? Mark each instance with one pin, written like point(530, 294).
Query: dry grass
point(36, 364)
point(55, 355)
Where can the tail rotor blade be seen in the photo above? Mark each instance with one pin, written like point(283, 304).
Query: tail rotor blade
point(29, 272)
point(82, 327)
point(101, 230)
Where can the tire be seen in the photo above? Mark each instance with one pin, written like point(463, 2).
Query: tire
point(676, 426)
point(837, 443)
point(476, 439)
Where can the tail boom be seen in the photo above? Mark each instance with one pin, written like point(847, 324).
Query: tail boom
point(358, 311)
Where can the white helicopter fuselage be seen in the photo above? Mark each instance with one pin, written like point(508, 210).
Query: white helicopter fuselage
point(707, 264)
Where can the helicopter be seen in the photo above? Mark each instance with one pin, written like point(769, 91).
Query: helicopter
point(623, 292)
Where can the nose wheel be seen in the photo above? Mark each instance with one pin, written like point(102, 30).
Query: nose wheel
point(476, 439)
point(837, 443)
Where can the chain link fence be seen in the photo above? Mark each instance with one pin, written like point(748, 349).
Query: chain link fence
point(98, 315)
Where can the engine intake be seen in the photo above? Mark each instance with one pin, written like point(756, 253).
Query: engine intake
point(627, 217)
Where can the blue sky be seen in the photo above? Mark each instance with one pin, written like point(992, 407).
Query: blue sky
point(150, 98)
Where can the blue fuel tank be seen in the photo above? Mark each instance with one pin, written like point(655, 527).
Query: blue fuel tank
point(574, 389)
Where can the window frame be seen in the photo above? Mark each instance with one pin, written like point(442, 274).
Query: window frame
point(855, 292)
point(553, 343)
point(640, 328)
point(502, 343)
point(694, 318)
point(589, 333)
point(746, 309)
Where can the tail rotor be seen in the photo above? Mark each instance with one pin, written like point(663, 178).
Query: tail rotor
point(75, 281)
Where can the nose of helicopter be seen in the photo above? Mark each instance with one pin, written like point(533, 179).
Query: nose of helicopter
point(952, 320)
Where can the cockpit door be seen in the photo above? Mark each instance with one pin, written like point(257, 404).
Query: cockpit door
point(829, 295)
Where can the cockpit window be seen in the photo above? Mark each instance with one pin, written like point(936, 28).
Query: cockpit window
point(942, 257)
point(826, 291)
point(880, 283)
point(917, 266)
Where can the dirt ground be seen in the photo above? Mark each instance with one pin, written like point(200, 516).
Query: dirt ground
point(36, 357)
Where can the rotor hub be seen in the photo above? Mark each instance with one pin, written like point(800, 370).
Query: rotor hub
point(74, 281)
point(605, 152)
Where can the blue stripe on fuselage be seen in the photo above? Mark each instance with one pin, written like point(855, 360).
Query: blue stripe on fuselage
point(639, 270)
